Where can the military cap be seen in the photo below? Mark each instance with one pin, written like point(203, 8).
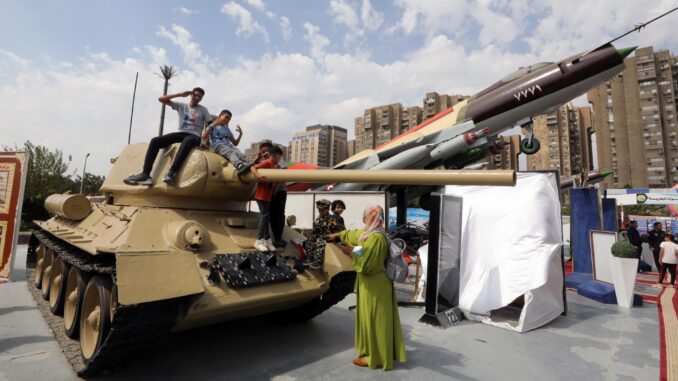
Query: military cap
point(323, 203)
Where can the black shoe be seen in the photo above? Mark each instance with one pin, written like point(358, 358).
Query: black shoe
point(279, 243)
point(169, 178)
point(242, 167)
point(140, 179)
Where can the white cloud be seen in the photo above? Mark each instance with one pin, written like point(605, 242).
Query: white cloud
point(181, 37)
point(286, 28)
point(257, 4)
point(371, 19)
point(346, 14)
point(187, 11)
point(430, 17)
point(343, 13)
point(158, 55)
point(318, 41)
point(265, 119)
point(247, 25)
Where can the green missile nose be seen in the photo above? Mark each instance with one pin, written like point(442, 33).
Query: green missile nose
point(625, 51)
point(605, 172)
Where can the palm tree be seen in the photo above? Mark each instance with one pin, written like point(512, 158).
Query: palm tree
point(167, 72)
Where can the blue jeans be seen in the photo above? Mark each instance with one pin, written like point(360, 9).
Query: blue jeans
point(265, 220)
point(231, 153)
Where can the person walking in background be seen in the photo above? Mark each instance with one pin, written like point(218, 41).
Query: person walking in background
point(634, 238)
point(668, 259)
point(192, 119)
point(263, 195)
point(655, 237)
point(378, 334)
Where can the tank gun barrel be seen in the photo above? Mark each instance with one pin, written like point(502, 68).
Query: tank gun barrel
point(391, 176)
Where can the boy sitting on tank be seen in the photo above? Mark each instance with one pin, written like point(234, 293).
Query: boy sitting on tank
point(192, 119)
point(223, 142)
point(263, 196)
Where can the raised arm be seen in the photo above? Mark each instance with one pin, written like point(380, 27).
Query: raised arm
point(235, 140)
point(167, 99)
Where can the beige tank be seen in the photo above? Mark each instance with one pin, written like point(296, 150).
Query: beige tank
point(150, 260)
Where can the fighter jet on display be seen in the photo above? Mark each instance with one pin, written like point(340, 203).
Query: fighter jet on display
point(463, 134)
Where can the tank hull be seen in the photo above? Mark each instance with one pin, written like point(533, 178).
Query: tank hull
point(140, 250)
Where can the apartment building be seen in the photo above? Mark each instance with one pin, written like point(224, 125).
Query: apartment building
point(635, 121)
point(380, 124)
point(322, 145)
point(563, 135)
point(506, 158)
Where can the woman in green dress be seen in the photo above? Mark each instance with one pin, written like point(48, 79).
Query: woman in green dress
point(378, 334)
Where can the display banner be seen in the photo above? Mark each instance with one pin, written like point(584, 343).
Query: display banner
point(13, 167)
point(657, 198)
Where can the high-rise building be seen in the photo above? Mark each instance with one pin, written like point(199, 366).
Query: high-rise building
point(435, 103)
point(562, 135)
point(351, 147)
point(254, 148)
point(321, 145)
point(635, 121)
point(506, 158)
point(380, 124)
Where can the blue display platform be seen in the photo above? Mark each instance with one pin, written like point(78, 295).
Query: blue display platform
point(603, 292)
point(575, 279)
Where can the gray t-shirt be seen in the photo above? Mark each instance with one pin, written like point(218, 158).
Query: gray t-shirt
point(191, 120)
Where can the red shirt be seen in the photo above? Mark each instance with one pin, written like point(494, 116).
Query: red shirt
point(264, 191)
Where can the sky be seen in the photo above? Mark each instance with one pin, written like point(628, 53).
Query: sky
point(67, 68)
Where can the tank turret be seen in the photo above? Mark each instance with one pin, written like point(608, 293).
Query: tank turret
point(150, 260)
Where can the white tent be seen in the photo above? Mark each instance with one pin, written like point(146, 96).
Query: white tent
point(510, 246)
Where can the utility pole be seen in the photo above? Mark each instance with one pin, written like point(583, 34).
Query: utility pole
point(134, 95)
point(82, 181)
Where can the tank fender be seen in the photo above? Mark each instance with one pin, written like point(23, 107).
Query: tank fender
point(336, 261)
point(150, 276)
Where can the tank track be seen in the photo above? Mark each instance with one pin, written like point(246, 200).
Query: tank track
point(134, 327)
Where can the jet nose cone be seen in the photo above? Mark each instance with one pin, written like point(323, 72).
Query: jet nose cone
point(626, 51)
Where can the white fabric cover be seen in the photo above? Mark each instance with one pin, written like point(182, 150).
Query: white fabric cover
point(511, 239)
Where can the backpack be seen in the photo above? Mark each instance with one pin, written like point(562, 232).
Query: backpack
point(396, 267)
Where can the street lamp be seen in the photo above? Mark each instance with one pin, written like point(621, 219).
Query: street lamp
point(82, 182)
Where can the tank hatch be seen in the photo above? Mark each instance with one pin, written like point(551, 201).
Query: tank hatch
point(250, 269)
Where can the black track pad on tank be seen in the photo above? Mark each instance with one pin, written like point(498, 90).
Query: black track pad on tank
point(250, 269)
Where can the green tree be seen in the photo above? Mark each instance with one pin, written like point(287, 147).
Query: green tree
point(167, 73)
point(92, 184)
point(46, 175)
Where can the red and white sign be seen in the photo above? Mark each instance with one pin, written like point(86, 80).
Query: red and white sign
point(13, 168)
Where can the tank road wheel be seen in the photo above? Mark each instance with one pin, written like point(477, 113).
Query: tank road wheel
point(39, 262)
point(75, 289)
point(529, 147)
point(48, 260)
point(56, 290)
point(95, 318)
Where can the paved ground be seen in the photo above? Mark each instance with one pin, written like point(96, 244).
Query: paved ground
point(594, 342)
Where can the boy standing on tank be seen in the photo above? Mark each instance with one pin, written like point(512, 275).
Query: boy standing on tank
point(263, 196)
point(223, 142)
point(192, 119)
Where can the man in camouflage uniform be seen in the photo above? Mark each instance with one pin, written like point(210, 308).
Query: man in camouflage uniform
point(315, 244)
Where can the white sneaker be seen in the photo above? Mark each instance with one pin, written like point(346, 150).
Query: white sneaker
point(260, 245)
point(270, 245)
